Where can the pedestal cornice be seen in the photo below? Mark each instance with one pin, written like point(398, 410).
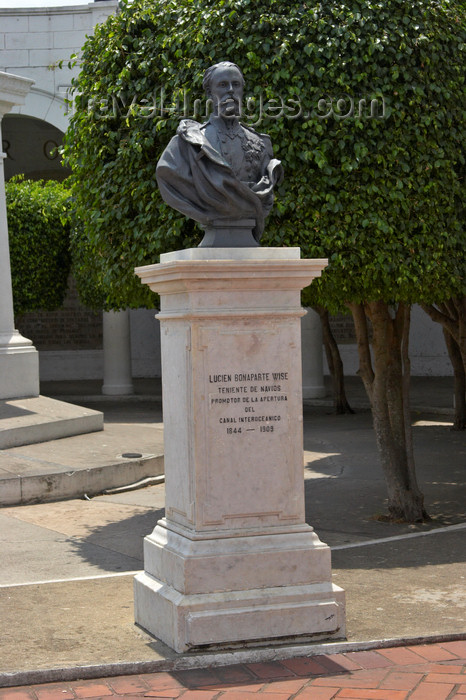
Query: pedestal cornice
point(198, 275)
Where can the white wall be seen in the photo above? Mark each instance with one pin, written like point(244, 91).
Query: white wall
point(428, 352)
point(34, 40)
point(429, 356)
point(89, 364)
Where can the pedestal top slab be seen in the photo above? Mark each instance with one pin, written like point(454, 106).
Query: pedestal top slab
point(232, 254)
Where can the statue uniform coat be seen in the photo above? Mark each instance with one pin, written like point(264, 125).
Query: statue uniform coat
point(210, 172)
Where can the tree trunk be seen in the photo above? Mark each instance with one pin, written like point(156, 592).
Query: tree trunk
point(335, 364)
point(452, 315)
point(460, 381)
point(460, 305)
point(386, 379)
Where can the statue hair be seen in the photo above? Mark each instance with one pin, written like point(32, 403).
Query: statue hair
point(207, 80)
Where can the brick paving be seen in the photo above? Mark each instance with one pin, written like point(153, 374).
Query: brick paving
point(422, 672)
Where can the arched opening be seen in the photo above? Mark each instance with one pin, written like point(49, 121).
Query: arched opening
point(31, 146)
point(70, 338)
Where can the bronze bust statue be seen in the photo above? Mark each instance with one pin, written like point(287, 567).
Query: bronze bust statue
point(221, 173)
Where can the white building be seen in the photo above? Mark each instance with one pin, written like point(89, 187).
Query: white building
point(33, 42)
point(37, 43)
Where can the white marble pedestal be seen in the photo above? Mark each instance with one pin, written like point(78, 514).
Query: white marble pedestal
point(233, 562)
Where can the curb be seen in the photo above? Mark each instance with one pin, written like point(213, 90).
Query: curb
point(109, 398)
point(211, 660)
point(79, 483)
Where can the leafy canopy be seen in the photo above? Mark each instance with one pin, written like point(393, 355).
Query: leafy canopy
point(39, 237)
point(379, 195)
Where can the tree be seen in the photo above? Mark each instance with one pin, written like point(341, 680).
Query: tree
point(39, 237)
point(363, 105)
point(335, 363)
point(452, 315)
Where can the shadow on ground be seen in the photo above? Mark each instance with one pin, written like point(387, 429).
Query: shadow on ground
point(141, 412)
point(437, 548)
point(346, 496)
point(123, 537)
point(345, 492)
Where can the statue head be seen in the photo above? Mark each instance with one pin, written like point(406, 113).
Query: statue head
point(224, 84)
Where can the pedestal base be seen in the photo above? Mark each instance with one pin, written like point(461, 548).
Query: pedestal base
point(19, 372)
point(248, 618)
point(273, 587)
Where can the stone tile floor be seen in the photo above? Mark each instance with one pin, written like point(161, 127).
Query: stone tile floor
point(422, 672)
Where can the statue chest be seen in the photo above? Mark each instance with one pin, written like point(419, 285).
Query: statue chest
point(243, 152)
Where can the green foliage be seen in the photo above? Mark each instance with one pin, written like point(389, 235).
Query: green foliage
point(379, 195)
point(39, 232)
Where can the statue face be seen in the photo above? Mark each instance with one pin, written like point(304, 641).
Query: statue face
point(227, 91)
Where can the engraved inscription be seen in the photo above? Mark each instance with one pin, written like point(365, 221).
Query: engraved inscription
point(249, 402)
point(249, 425)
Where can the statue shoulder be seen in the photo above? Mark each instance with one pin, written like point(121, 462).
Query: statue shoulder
point(191, 130)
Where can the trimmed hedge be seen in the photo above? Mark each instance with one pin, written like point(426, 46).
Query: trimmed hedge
point(39, 235)
point(379, 194)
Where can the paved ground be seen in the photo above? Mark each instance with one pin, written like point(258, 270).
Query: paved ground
point(418, 672)
point(66, 601)
point(127, 450)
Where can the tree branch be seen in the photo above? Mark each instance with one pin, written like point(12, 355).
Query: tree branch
point(362, 337)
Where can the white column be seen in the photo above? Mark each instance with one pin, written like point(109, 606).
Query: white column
point(312, 356)
point(19, 360)
point(117, 353)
